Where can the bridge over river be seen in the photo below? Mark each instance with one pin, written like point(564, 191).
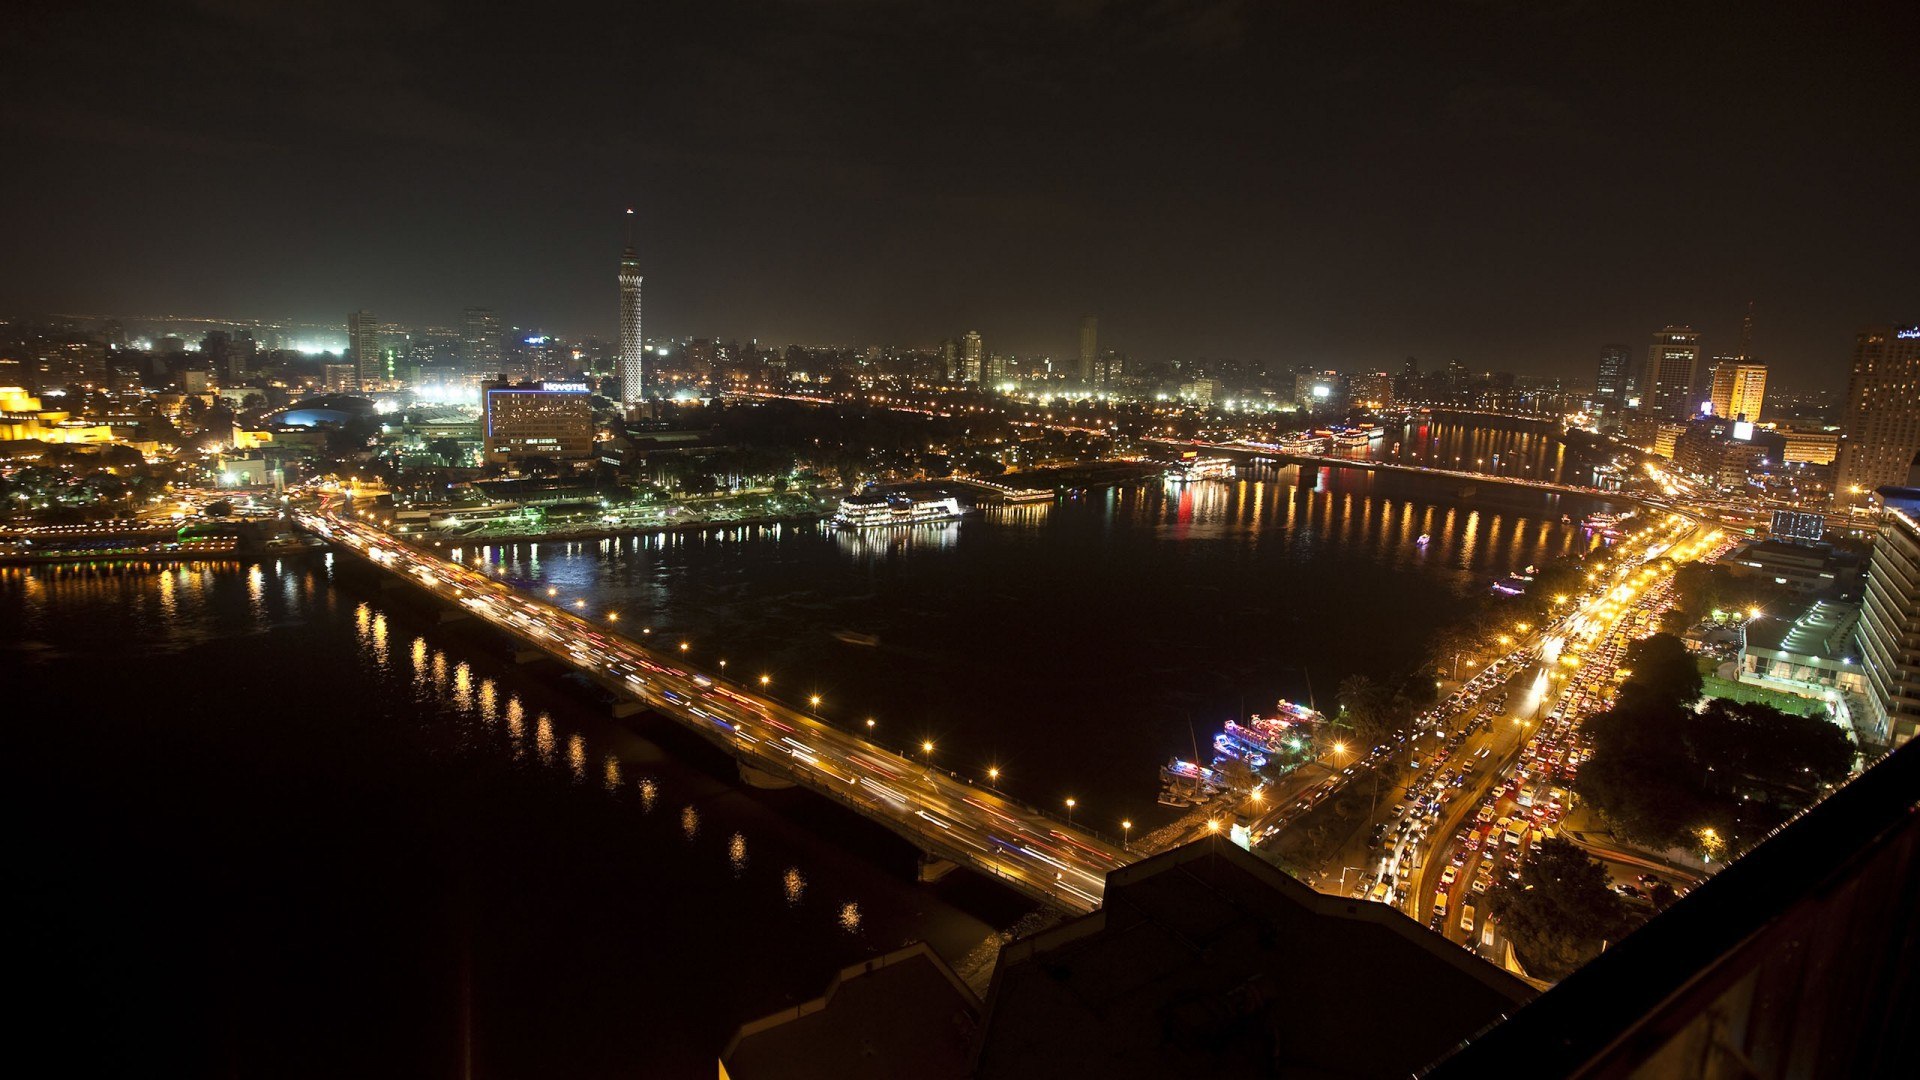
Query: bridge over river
point(952, 822)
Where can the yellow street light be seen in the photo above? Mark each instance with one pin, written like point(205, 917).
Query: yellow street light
point(765, 679)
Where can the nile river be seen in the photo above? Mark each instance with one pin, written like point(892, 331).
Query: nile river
point(275, 819)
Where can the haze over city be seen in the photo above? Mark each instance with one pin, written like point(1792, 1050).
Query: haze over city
point(859, 540)
point(1511, 184)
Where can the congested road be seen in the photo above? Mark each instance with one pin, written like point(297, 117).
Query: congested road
point(946, 817)
point(1500, 796)
point(1483, 777)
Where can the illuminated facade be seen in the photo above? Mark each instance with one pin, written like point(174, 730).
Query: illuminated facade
point(1882, 425)
point(21, 418)
point(633, 346)
point(1738, 389)
point(1889, 634)
point(973, 356)
point(551, 420)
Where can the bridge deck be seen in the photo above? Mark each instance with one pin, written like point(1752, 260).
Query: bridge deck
point(943, 816)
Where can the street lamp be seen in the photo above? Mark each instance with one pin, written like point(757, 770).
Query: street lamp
point(723, 669)
point(993, 775)
point(613, 616)
point(764, 680)
point(1070, 806)
point(813, 703)
point(1126, 835)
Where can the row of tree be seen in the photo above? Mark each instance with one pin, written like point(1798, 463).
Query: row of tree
point(1667, 772)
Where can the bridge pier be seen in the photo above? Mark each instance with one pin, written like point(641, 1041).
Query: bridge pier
point(624, 709)
point(761, 778)
point(933, 868)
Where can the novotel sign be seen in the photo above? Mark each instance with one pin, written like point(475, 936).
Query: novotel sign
point(564, 387)
point(1909, 332)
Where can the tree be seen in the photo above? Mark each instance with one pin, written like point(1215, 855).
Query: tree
point(1745, 744)
point(1561, 911)
point(1663, 671)
point(1665, 774)
point(1372, 710)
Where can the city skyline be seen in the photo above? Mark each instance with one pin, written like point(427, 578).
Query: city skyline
point(1468, 188)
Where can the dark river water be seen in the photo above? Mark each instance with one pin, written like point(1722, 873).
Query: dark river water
point(1070, 645)
point(277, 820)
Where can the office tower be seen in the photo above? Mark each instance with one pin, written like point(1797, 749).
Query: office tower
point(1109, 369)
point(1089, 347)
point(1610, 383)
point(1673, 366)
point(363, 345)
point(1882, 425)
point(1889, 632)
point(633, 347)
point(1738, 388)
point(480, 341)
point(973, 356)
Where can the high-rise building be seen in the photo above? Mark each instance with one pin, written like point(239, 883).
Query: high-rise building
point(549, 420)
point(1882, 425)
point(1738, 389)
point(633, 346)
point(1673, 367)
point(973, 356)
point(1612, 382)
point(948, 354)
point(363, 345)
point(480, 340)
point(1089, 347)
point(1371, 390)
point(1889, 633)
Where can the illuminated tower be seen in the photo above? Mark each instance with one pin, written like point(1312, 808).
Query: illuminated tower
point(633, 362)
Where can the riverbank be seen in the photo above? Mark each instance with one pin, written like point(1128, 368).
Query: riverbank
point(603, 531)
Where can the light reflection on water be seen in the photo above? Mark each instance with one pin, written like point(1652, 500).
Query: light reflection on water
point(1096, 626)
point(432, 683)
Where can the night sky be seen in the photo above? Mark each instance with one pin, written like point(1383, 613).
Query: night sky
point(1511, 183)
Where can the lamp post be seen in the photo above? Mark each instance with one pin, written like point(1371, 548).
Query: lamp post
point(1070, 805)
point(1126, 835)
point(993, 776)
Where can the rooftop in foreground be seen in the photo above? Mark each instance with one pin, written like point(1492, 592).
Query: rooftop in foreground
point(1207, 961)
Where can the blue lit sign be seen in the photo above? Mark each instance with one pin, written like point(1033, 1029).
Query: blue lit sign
point(1909, 332)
